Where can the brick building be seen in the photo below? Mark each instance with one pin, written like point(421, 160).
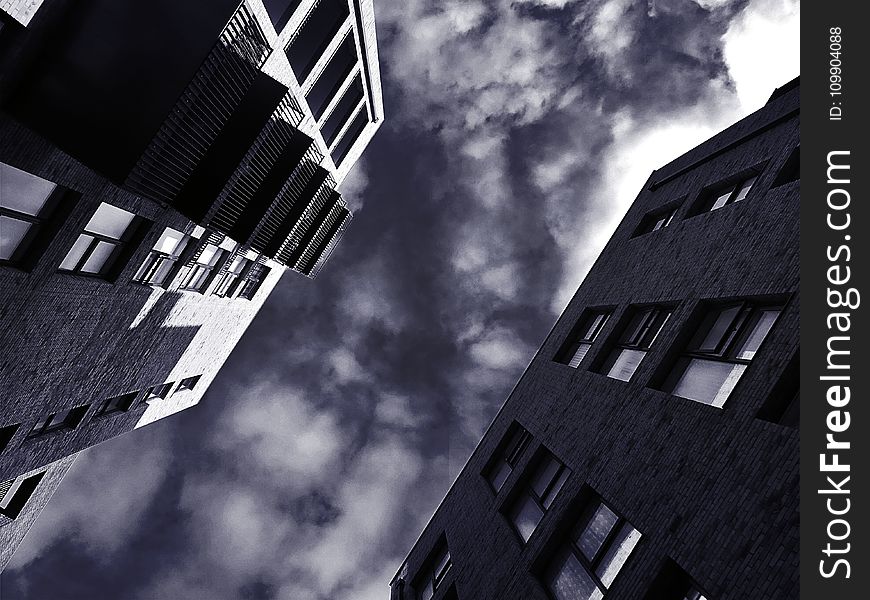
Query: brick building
point(161, 166)
point(650, 450)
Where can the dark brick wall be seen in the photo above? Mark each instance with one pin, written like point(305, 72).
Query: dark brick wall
point(69, 340)
point(713, 489)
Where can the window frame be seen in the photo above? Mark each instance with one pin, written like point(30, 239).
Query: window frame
point(665, 214)
point(229, 280)
point(72, 418)
point(199, 275)
point(160, 391)
point(430, 577)
point(26, 486)
point(157, 258)
point(36, 224)
point(653, 319)
point(590, 324)
point(110, 267)
point(730, 190)
point(727, 347)
point(188, 383)
point(253, 280)
point(116, 404)
point(570, 544)
point(509, 452)
point(525, 489)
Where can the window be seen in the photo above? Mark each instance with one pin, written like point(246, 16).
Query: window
point(96, 250)
point(64, 419)
point(435, 569)
point(672, 583)
point(197, 276)
point(228, 279)
point(727, 340)
point(25, 203)
point(158, 392)
point(723, 195)
point(507, 456)
point(15, 493)
point(117, 404)
point(582, 337)
point(188, 383)
point(588, 563)
point(253, 280)
point(791, 170)
point(636, 340)
point(162, 257)
point(540, 489)
point(6, 435)
point(657, 219)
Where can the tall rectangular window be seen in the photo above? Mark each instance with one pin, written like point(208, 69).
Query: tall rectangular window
point(69, 418)
point(162, 257)
point(434, 571)
point(26, 201)
point(198, 274)
point(253, 280)
point(540, 488)
point(97, 248)
point(582, 337)
point(585, 567)
point(228, 280)
point(635, 341)
point(507, 455)
point(724, 344)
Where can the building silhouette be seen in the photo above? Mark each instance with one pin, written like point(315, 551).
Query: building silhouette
point(650, 450)
point(162, 163)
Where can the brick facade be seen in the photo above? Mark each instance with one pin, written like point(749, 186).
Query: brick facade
point(715, 490)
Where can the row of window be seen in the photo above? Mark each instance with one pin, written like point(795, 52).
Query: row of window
point(729, 191)
point(28, 203)
point(718, 345)
point(14, 493)
point(584, 559)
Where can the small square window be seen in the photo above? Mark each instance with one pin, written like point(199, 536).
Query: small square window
point(115, 404)
point(540, 488)
point(582, 337)
point(64, 419)
point(189, 383)
point(728, 338)
point(158, 392)
point(507, 456)
point(588, 562)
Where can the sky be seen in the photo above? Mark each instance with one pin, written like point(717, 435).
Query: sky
point(516, 135)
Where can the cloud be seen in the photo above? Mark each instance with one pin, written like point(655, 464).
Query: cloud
point(101, 500)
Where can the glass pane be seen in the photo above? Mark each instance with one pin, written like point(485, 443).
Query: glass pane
point(170, 242)
point(162, 271)
point(568, 580)
point(544, 474)
point(595, 531)
point(749, 347)
point(442, 566)
point(708, 381)
point(237, 265)
point(554, 489)
point(22, 191)
point(594, 327)
point(721, 200)
point(99, 259)
point(209, 255)
point(76, 252)
point(719, 329)
point(626, 364)
point(526, 515)
point(617, 554)
point(744, 189)
point(499, 474)
point(427, 592)
point(12, 231)
point(577, 358)
point(110, 221)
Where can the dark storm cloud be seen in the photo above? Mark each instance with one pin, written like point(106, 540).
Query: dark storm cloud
point(511, 146)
